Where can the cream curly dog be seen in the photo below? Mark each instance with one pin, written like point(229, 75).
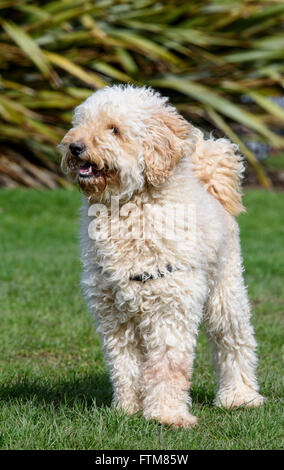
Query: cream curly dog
point(150, 292)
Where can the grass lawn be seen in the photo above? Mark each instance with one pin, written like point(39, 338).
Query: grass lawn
point(54, 387)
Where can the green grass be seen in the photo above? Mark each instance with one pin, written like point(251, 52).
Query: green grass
point(54, 387)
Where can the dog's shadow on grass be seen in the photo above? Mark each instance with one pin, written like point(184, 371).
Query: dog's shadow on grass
point(90, 390)
point(94, 389)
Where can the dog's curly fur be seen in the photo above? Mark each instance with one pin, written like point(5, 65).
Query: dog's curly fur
point(142, 151)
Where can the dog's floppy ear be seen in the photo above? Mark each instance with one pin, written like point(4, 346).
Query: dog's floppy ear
point(167, 132)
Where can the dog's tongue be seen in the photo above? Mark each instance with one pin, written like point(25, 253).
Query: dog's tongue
point(86, 169)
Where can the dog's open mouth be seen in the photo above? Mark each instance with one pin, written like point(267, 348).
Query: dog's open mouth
point(90, 177)
point(87, 170)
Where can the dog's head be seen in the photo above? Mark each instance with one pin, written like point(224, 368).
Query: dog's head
point(122, 139)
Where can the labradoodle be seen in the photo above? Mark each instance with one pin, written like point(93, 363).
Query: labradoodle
point(142, 167)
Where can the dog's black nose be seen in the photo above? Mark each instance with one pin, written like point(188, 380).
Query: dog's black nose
point(77, 148)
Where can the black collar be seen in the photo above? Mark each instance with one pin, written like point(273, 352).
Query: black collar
point(143, 277)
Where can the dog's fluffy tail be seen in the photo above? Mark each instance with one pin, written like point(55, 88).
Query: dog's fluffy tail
point(219, 167)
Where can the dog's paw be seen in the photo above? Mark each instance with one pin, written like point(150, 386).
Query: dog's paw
point(188, 422)
point(235, 398)
point(178, 420)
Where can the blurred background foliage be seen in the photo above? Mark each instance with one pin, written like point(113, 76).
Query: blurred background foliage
point(219, 61)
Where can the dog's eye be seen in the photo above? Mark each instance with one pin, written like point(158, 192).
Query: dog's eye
point(115, 130)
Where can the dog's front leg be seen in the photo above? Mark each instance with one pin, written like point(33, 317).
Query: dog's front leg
point(169, 334)
point(166, 377)
point(124, 356)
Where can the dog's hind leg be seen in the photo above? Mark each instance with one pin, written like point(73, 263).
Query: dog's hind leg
point(227, 323)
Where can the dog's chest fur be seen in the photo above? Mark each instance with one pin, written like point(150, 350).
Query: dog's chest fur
point(140, 249)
